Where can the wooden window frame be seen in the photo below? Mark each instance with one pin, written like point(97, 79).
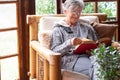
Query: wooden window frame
point(8, 29)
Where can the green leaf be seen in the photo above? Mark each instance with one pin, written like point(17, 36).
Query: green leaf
point(108, 60)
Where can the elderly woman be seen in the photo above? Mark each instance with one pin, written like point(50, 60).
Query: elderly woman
point(68, 33)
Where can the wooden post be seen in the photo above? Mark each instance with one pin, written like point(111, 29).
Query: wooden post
point(118, 19)
point(33, 21)
point(59, 7)
point(55, 67)
point(46, 70)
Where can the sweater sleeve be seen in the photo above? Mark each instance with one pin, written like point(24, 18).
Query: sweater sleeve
point(57, 42)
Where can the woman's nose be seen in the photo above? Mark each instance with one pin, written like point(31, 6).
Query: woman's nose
point(77, 14)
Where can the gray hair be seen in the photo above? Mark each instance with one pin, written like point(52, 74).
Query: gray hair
point(75, 3)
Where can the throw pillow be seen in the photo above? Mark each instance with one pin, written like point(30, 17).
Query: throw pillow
point(44, 38)
point(104, 30)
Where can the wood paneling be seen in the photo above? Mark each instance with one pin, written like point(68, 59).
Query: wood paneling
point(23, 32)
point(59, 8)
point(118, 19)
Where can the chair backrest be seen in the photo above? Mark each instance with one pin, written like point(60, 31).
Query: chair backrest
point(46, 25)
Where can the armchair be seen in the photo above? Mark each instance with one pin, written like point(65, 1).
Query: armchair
point(44, 63)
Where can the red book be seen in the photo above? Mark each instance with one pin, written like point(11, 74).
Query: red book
point(87, 45)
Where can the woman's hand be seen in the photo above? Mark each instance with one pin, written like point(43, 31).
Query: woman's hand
point(75, 41)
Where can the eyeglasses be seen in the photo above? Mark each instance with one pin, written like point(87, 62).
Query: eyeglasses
point(75, 12)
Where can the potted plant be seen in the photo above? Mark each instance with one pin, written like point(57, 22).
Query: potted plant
point(107, 63)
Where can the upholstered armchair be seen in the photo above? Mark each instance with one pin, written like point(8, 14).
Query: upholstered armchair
point(44, 63)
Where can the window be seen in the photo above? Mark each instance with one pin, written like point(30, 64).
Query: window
point(8, 40)
point(45, 7)
point(102, 6)
point(109, 8)
point(89, 7)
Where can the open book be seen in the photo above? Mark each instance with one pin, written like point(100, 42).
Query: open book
point(87, 45)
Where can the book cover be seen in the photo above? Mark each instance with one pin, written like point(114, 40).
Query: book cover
point(87, 45)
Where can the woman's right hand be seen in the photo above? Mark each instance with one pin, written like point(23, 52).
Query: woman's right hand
point(75, 41)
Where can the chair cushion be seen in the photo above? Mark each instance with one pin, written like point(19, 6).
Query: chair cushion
point(70, 75)
point(104, 30)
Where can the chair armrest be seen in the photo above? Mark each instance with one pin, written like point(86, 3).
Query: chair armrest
point(44, 52)
point(52, 58)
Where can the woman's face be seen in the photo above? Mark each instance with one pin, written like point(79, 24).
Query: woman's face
point(72, 15)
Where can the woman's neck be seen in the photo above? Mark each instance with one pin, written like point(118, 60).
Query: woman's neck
point(69, 23)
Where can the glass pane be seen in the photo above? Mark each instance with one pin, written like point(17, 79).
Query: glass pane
point(107, 7)
point(45, 6)
point(8, 42)
point(89, 7)
point(7, 15)
point(9, 68)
